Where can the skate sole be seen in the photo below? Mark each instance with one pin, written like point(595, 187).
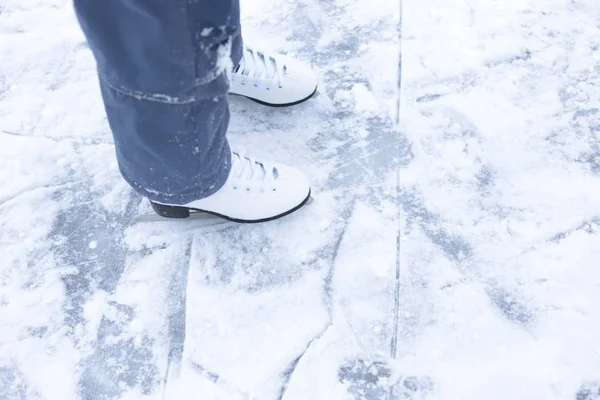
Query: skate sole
point(175, 212)
point(295, 103)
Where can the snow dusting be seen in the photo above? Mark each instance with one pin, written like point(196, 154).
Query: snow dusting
point(493, 292)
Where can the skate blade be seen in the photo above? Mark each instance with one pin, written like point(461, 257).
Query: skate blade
point(205, 218)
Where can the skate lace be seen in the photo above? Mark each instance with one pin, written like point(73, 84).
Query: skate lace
point(256, 65)
point(248, 168)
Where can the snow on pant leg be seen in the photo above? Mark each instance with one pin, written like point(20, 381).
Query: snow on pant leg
point(163, 67)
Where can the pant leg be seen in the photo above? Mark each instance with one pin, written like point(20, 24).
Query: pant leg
point(163, 68)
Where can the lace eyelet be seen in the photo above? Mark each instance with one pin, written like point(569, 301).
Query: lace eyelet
point(247, 189)
point(274, 189)
point(235, 188)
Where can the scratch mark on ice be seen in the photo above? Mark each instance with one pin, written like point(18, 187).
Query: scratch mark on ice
point(287, 374)
point(216, 379)
point(78, 140)
point(9, 199)
point(327, 298)
point(176, 319)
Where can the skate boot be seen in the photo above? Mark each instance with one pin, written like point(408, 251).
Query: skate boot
point(255, 191)
point(272, 79)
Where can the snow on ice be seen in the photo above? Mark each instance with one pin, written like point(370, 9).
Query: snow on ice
point(493, 293)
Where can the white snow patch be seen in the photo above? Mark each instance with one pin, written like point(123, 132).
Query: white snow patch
point(364, 99)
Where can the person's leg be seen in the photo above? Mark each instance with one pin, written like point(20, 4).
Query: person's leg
point(163, 68)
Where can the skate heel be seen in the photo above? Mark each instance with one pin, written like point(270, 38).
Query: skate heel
point(170, 211)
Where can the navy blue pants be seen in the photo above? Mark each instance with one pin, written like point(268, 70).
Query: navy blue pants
point(163, 68)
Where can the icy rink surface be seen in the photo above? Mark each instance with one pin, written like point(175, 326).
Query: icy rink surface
point(498, 295)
